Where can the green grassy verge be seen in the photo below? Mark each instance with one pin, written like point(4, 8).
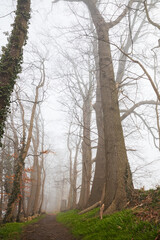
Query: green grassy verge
point(122, 225)
point(13, 231)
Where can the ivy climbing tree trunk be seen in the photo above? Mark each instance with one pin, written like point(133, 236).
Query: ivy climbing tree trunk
point(11, 59)
point(15, 194)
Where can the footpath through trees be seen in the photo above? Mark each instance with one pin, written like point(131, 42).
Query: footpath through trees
point(47, 228)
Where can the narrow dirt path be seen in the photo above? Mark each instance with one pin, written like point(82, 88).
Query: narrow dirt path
point(47, 229)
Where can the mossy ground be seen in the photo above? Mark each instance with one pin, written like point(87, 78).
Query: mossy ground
point(122, 225)
point(12, 231)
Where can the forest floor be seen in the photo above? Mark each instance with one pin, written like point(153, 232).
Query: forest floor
point(47, 229)
point(139, 221)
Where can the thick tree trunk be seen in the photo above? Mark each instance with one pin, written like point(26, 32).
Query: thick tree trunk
point(19, 210)
point(10, 66)
point(15, 194)
point(1, 183)
point(10, 63)
point(70, 195)
point(73, 183)
point(118, 176)
point(30, 206)
point(99, 177)
point(42, 198)
point(72, 198)
point(43, 171)
point(38, 190)
point(100, 170)
point(86, 154)
point(35, 176)
point(74, 203)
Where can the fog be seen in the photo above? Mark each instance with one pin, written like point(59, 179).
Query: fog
point(52, 30)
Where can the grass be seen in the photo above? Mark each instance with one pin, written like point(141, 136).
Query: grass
point(13, 231)
point(122, 225)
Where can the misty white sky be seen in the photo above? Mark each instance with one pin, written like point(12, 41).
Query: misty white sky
point(44, 33)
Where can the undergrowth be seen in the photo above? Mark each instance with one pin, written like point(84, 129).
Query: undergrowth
point(146, 205)
point(13, 231)
point(122, 225)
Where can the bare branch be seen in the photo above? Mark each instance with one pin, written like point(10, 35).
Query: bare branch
point(122, 15)
point(148, 17)
point(7, 14)
point(131, 110)
point(144, 70)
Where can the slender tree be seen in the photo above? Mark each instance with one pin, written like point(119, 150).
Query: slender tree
point(73, 144)
point(15, 194)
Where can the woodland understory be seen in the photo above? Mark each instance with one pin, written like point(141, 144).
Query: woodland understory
point(104, 68)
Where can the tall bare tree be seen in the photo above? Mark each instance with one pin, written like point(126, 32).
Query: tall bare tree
point(74, 149)
point(118, 175)
point(121, 81)
point(15, 194)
